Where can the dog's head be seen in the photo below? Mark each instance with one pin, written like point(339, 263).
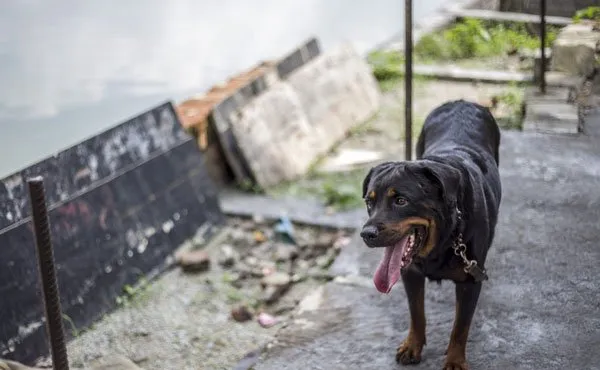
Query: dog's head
point(409, 204)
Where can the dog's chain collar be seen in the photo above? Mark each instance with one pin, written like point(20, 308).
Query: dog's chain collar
point(460, 250)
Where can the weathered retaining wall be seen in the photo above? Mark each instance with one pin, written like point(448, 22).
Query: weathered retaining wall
point(561, 8)
point(119, 204)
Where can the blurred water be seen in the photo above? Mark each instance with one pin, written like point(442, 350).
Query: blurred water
point(70, 69)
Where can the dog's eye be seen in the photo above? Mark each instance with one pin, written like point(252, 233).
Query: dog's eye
point(400, 201)
point(369, 204)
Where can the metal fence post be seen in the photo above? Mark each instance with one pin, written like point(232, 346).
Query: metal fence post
point(408, 76)
point(543, 46)
point(47, 274)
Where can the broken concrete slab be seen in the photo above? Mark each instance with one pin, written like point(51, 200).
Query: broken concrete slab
point(522, 324)
point(303, 211)
point(285, 129)
point(575, 49)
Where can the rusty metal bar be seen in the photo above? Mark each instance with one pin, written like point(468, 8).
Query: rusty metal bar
point(408, 77)
point(543, 46)
point(47, 273)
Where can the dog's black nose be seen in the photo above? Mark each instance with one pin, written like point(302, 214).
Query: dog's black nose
point(369, 232)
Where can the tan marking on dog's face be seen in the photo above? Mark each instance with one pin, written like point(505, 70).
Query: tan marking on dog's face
point(390, 192)
point(403, 226)
point(371, 195)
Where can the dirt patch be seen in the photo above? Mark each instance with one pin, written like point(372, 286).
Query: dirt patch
point(210, 320)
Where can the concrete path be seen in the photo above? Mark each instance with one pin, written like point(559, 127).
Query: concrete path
point(540, 309)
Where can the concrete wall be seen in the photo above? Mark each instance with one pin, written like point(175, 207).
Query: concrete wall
point(119, 204)
point(563, 8)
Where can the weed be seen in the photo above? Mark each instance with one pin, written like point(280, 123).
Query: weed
point(387, 65)
point(589, 13)
point(339, 190)
point(135, 295)
point(473, 38)
point(74, 331)
point(511, 103)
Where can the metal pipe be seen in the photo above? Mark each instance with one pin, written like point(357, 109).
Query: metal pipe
point(543, 46)
point(47, 274)
point(408, 78)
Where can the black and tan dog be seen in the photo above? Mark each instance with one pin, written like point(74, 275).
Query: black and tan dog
point(436, 218)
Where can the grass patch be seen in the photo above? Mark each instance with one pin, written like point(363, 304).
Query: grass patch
point(468, 39)
point(135, 295)
point(339, 190)
point(474, 38)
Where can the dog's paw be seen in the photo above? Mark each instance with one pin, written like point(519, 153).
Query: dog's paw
point(409, 352)
point(456, 365)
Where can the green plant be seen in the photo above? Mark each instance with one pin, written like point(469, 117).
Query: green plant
point(591, 13)
point(388, 67)
point(511, 101)
point(74, 331)
point(473, 38)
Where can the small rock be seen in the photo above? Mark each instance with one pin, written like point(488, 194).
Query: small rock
point(273, 293)
point(319, 274)
point(194, 260)
point(303, 265)
point(266, 321)
point(258, 219)
point(275, 284)
point(259, 236)
point(251, 261)
point(285, 252)
point(228, 256)
point(238, 235)
point(327, 259)
point(324, 241)
point(241, 314)
point(342, 242)
point(276, 279)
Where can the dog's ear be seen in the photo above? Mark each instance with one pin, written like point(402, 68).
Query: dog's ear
point(366, 181)
point(445, 177)
point(373, 172)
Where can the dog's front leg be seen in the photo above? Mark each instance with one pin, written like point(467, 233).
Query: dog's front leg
point(409, 352)
point(467, 295)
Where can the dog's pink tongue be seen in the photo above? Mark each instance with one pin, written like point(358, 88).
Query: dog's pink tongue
point(388, 272)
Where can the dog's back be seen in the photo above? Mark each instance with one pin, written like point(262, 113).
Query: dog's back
point(459, 124)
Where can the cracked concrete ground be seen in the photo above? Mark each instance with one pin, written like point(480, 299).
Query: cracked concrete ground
point(539, 310)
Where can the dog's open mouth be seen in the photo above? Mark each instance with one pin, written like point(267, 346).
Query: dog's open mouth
point(397, 257)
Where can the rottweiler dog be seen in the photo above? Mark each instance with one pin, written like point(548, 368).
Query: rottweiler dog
point(435, 218)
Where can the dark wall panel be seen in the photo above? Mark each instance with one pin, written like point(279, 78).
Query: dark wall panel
point(120, 203)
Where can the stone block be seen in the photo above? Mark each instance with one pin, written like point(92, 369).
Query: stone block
point(575, 49)
point(550, 116)
point(284, 130)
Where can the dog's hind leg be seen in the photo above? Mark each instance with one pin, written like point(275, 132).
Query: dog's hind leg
point(467, 295)
point(409, 352)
